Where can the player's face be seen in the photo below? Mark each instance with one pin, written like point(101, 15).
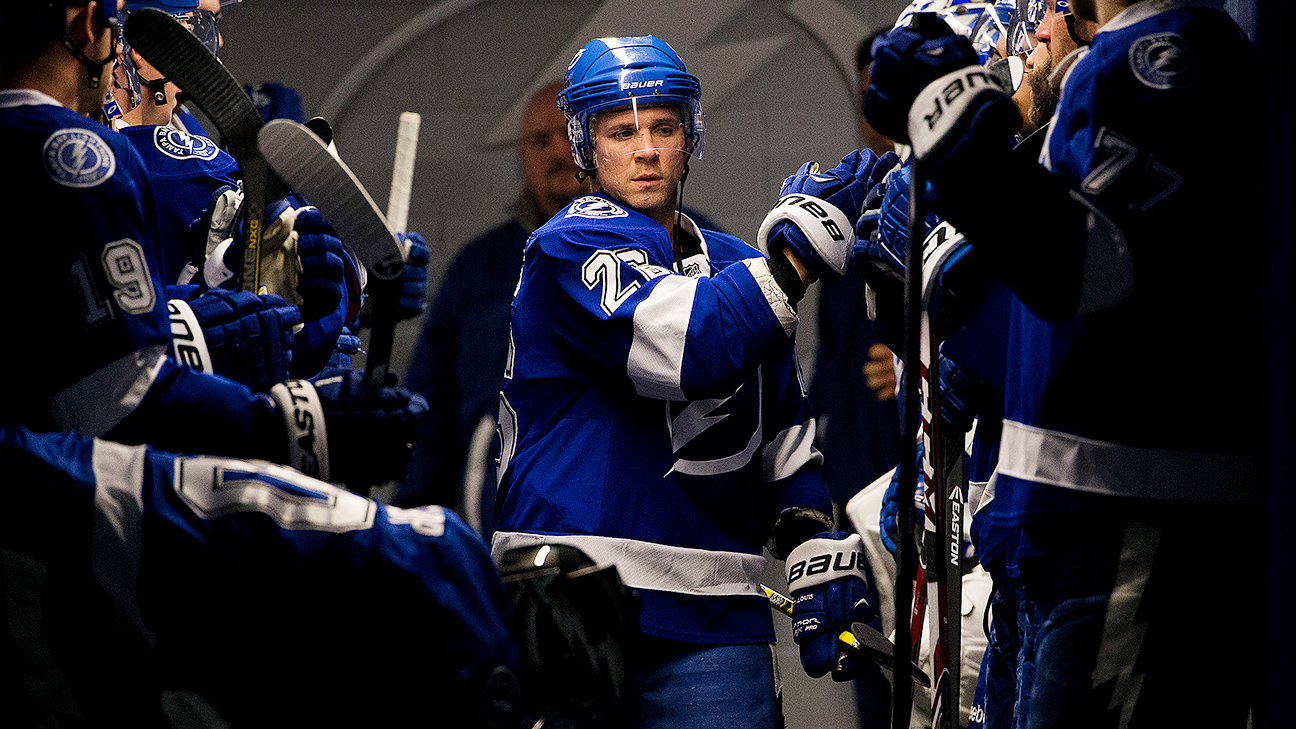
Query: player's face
point(640, 153)
point(548, 170)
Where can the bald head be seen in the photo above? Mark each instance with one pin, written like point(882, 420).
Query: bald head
point(548, 171)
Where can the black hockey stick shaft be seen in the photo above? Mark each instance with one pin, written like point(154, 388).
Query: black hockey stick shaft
point(907, 558)
point(183, 60)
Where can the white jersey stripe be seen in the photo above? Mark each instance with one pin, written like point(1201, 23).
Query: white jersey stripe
point(1083, 464)
point(118, 524)
point(660, 331)
point(649, 566)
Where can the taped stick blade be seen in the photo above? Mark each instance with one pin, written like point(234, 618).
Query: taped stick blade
point(302, 160)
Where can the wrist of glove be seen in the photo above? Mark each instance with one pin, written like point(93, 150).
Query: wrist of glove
point(817, 211)
point(829, 580)
point(341, 429)
point(414, 279)
point(961, 109)
point(240, 335)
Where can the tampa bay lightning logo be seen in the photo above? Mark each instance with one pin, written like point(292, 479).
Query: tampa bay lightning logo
point(182, 145)
point(1163, 61)
point(594, 207)
point(78, 158)
point(717, 435)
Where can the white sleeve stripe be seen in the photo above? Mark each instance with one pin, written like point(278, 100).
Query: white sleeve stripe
point(788, 451)
point(118, 525)
point(660, 332)
point(95, 404)
point(774, 296)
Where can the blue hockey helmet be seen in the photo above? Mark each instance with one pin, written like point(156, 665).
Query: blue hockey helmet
point(631, 72)
point(980, 21)
point(128, 88)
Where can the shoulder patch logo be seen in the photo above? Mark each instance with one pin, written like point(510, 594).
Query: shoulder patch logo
point(1163, 61)
point(594, 207)
point(182, 145)
point(78, 158)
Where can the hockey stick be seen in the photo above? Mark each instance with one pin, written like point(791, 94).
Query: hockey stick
point(182, 59)
point(398, 200)
point(907, 578)
point(304, 162)
point(860, 638)
point(942, 471)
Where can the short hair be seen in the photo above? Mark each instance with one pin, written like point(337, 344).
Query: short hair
point(864, 54)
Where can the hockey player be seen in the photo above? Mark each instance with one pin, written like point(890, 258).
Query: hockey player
point(85, 212)
point(1102, 469)
point(250, 590)
point(652, 413)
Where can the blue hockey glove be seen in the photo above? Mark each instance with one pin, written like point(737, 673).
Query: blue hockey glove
point(414, 280)
point(888, 517)
point(367, 432)
point(322, 276)
point(829, 578)
point(237, 334)
point(817, 211)
point(905, 61)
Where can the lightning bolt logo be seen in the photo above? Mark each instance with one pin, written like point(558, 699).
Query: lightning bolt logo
point(1122, 636)
point(695, 419)
point(78, 158)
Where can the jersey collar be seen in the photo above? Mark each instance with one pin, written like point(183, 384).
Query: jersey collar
point(1138, 12)
point(11, 98)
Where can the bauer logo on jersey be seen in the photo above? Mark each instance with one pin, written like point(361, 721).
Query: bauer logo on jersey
point(182, 145)
point(1163, 61)
point(78, 158)
point(594, 207)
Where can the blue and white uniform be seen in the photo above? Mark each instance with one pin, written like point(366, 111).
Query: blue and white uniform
point(277, 597)
point(84, 233)
point(185, 170)
point(655, 419)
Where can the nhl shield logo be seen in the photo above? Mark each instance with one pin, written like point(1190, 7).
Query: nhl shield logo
point(594, 207)
point(1163, 61)
point(182, 145)
point(78, 158)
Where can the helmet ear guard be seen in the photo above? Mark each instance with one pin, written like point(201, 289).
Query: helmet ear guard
point(575, 619)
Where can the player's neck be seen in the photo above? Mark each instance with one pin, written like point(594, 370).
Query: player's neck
point(1108, 9)
point(51, 75)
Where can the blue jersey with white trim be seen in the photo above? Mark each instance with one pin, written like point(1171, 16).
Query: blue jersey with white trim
point(83, 241)
point(1114, 403)
point(185, 170)
point(254, 585)
point(655, 419)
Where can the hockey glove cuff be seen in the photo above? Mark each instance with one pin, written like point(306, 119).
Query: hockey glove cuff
point(829, 581)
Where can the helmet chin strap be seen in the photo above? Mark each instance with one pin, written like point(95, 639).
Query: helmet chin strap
point(158, 88)
point(93, 68)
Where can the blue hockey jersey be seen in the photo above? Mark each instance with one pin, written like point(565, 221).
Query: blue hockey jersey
point(282, 600)
point(655, 419)
point(185, 169)
point(1113, 402)
point(82, 244)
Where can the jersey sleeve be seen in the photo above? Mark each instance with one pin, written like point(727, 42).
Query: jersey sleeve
point(618, 313)
point(254, 584)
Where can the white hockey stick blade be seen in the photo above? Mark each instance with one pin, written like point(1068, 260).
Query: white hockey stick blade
point(398, 200)
point(302, 160)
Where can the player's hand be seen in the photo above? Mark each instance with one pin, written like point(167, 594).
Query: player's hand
point(248, 337)
point(828, 578)
point(817, 211)
point(414, 279)
point(879, 372)
point(322, 276)
point(211, 237)
point(369, 430)
point(905, 61)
